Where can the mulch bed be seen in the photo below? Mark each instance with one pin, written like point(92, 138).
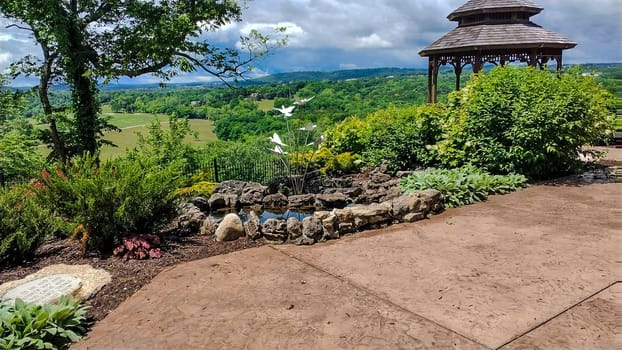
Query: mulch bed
point(127, 276)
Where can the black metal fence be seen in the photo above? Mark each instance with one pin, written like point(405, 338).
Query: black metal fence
point(262, 170)
point(216, 170)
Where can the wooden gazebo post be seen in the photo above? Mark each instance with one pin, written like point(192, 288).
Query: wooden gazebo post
point(495, 32)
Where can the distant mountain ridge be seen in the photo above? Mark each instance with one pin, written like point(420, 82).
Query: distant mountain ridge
point(288, 77)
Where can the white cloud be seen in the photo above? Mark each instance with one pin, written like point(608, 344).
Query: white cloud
point(5, 58)
point(348, 66)
point(373, 41)
point(334, 34)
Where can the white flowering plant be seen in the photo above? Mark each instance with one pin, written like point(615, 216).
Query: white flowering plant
point(297, 141)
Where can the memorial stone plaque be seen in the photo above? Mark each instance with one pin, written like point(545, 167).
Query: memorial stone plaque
point(44, 290)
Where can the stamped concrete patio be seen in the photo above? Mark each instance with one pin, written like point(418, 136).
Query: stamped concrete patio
point(535, 269)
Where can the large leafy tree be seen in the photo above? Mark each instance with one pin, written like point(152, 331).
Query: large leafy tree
point(83, 41)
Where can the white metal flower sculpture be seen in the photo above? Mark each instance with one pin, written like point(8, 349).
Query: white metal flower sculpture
point(286, 111)
point(297, 147)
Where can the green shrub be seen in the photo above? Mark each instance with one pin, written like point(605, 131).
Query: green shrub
point(121, 197)
point(327, 162)
point(201, 188)
point(463, 185)
point(403, 137)
point(524, 120)
point(30, 326)
point(24, 224)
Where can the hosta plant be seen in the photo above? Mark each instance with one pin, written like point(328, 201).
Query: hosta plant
point(49, 326)
point(462, 186)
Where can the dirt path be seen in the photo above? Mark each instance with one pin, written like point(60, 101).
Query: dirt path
point(533, 269)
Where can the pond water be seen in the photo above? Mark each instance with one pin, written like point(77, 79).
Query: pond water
point(263, 215)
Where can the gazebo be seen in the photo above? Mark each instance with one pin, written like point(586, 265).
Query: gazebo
point(493, 31)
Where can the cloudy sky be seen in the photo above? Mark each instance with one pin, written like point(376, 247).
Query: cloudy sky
point(344, 34)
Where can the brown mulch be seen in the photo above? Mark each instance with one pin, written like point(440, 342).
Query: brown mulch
point(127, 276)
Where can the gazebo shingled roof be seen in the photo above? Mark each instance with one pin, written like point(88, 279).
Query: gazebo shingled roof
point(493, 31)
point(482, 6)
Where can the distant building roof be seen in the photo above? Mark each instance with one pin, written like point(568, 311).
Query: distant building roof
point(497, 36)
point(473, 7)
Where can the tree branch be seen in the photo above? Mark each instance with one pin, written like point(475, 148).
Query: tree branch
point(19, 27)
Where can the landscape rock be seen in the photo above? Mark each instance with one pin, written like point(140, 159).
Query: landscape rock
point(44, 290)
point(253, 226)
point(380, 178)
point(201, 202)
point(223, 201)
point(191, 219)
point(330, 228)
point(294, 228)
point(321, 214)
point(208, 228)
point(312, 228)
point(91, 279)
point(331, 200)
point(370, 215)
point(301, 201)
point(406, 204)
point(277, 200)
point(275, 230)
point(433, 200)
point(233, 187)
point(412, 217)
point(252, 194)
point(230, 228)
point(304, 240)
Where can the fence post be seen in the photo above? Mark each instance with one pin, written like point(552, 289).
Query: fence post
point(216, 170)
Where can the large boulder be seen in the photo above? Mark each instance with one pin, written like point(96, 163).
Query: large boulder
point(371, 215)
point(252, 194)
point(301, 201)
point(230, 187)
point(331, 201)
point(274, 230)
point(330, 226)
point(311, 229)
point(277, 200)
point(201, 202)
point(230, 228)
point(403, 205)
point(253, 226)
point(433, 199)
point(223, 201)
point(294, 228)
point(190, 219)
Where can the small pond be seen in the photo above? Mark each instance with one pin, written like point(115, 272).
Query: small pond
point(263, 215)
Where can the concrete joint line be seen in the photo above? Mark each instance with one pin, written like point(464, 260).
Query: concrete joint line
point(370, 292)
point(556, 316)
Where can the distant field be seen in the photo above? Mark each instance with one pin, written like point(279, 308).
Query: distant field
point(266, 105)
point(128, 137)
point(133, 123)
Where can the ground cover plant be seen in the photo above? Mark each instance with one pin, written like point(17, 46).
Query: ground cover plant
point(462, 186)
point(49, 326)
